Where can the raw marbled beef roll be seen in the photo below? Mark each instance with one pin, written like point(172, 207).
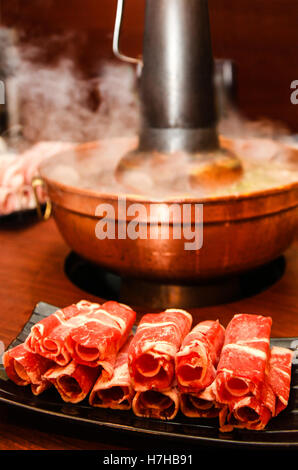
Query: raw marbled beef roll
point(244, 357)
point(155, 404)
point(72, 381)
point(115, 393)
point(26, 368)
point(47, 337)
point(198, 357)
point(152, 352)
point(202, 404)
point(250, 412)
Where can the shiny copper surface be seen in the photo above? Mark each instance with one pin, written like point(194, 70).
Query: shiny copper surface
point(240, 232)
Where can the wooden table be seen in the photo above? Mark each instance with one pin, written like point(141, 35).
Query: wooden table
point(32, 269)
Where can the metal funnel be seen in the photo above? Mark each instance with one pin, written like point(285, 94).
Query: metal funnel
point(177, 93)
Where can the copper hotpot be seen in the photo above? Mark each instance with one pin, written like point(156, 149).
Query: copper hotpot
point(239, 232)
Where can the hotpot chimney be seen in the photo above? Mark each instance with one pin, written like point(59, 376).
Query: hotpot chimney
point(176, 85)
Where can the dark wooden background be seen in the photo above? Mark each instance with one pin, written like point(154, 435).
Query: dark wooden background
point(261, 36)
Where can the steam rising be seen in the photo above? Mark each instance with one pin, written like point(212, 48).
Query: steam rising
point(59, 103)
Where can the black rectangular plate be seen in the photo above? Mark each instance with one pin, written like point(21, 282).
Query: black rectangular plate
point(282, 431)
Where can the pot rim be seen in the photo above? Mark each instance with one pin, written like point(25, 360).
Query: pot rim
point(137, 198)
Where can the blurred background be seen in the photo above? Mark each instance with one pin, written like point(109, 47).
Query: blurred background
point(260, 36)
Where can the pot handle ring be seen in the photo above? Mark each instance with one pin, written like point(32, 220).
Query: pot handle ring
point(116, 39)
point(37, 182)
